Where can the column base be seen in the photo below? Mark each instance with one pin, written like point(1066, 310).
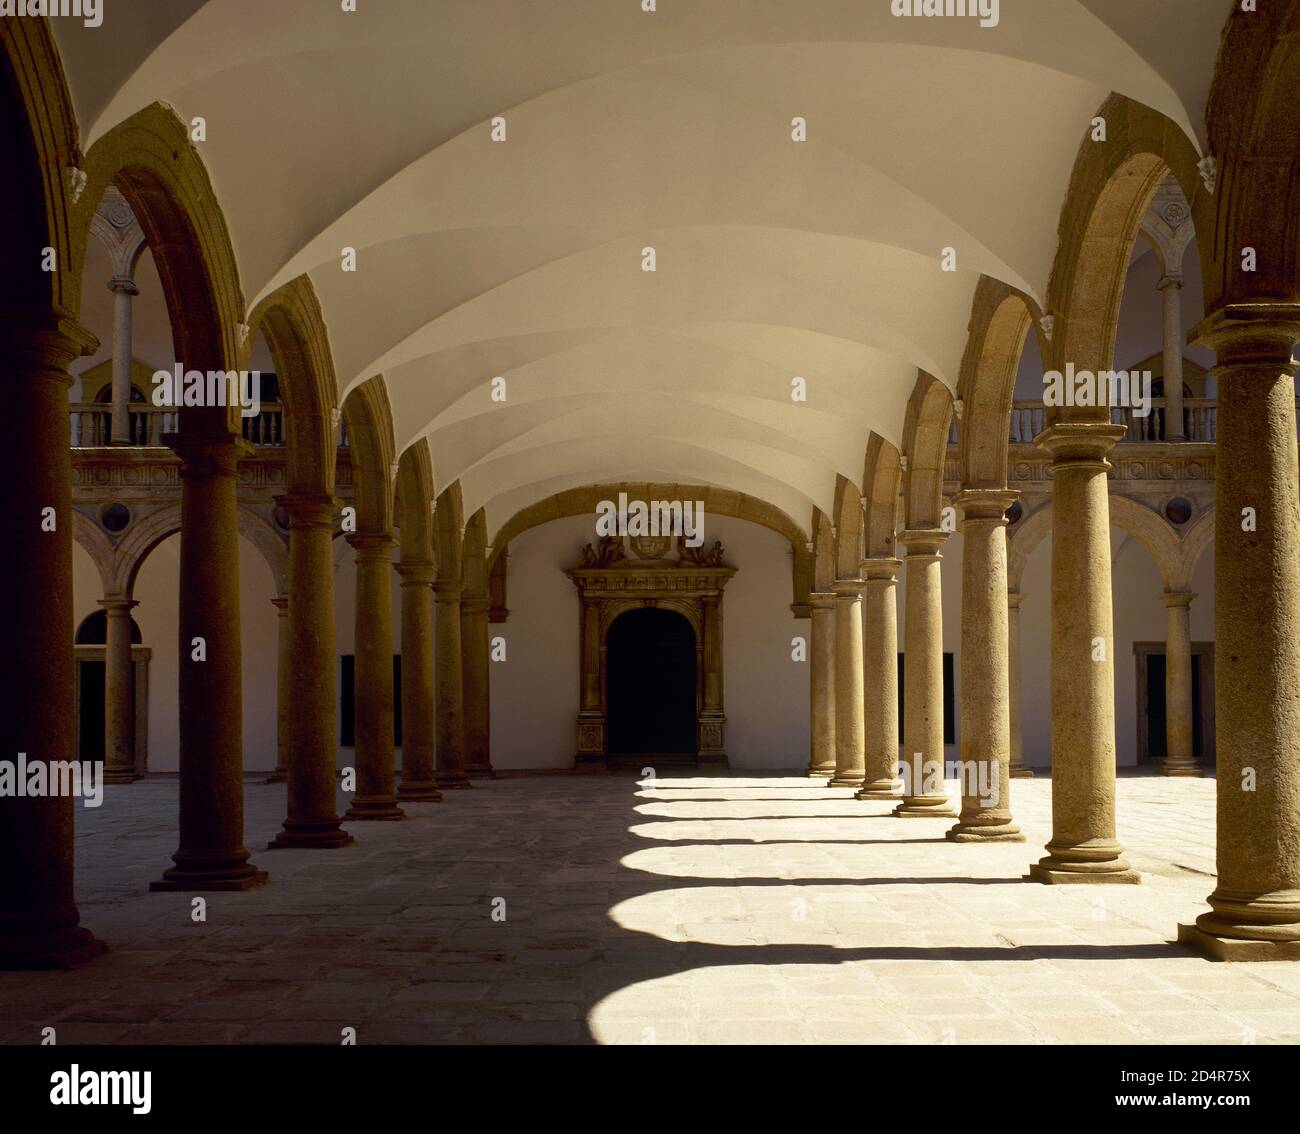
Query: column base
point(1181, 768)
point(60, 949)
point(925, 808)
point(974, 833)
point(480, 772)
point(189, 879)
point(845, 781)
point(453, 780)
point(881, 789)
point(822, 771)
point(420, 791)
point(279, 776)
point(1055, 876)
point(376, 807)
point(1022, 773)
point(325, 834)
point(121, 776)
point(1218, 948)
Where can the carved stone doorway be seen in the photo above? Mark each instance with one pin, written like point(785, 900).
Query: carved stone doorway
point(691, 585)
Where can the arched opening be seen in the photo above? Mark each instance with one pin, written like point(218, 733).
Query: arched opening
point(651, 683)
point(92, 636)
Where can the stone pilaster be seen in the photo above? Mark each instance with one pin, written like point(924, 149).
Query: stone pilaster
point(1083, 847)
point(119, 693)
point(476, 676)
point(124, 292)
point(850, 738)
point(283, 666)
point(311, 678)
point(376, 796)
point(417, 682)
point(39, 921)
point(1255, 908)
point(1180, 759)
point(821, 760)
point(880, 679)
point(712, 720)
point(985, 764)
point(1019, 770)
point(924, 793)
point(449, 724)
point(211, 855)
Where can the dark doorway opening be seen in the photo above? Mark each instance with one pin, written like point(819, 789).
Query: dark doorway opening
point(1157, 746)
point(93, 631)
point(650, 683)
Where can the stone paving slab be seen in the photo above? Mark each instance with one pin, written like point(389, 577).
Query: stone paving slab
point(730, 909)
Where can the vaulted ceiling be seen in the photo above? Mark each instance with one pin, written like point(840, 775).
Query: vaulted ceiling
point(523, 259)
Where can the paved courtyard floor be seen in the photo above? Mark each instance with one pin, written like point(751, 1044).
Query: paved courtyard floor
point(581, 908)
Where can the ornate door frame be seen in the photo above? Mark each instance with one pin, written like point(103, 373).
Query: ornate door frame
point(692, 589)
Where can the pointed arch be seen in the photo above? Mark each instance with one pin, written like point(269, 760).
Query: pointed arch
point(848, 529)
point(374, 462)
point(925, 445)
point(823, 551)
point(415, 503)
point(881, 476)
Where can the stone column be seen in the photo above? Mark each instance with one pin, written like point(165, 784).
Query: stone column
point(417, 682)
point(850, 723)
point(450, 706)
point(924, 793)
point(1171, 288)
point(39, 922)
point(1255, 908)
point(821, 761)
point(1019, 770)
point(712, 720)
point(119, 693)
point(124, 291)
point(591, 721)
point(985, 765)
point(478, 688)
point(211, 855)
point(1083, 847)
point(311, 678)
point(880, 679)
point(1180, 760)
point(376, 796)
point(283, 666)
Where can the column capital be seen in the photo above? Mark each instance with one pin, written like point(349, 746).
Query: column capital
point(122, 285)
point(822, 600)
point(849, 588)
point(448, 590)
point(206, 455)
point(988, 504)
point(881, 570)
point(1242, 333)
point(475, 605)
point(416, 572)
point(281, 603)
point(1177, 598)
point(1080, 442)
point(117, 606)
point(309, 510)
point(52, 341)
point(923, 542)
point(372, 545)
point(1171, 280)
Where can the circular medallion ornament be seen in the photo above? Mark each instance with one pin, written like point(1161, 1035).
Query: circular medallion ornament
point(651, 547)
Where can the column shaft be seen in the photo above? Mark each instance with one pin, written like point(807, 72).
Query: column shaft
point(211, 855)
point(850, 722)
point(821, 761)
point(1180, 759)
point(39, 922)
point(119, 693)
point(417, 682)
point(1083, 847)
point(924, 793)
point(450, 707)
point(1171, 288)
point(476, 666)
point(985, 765)
point(311, 678)
point(124, 292)
point(880, 679)
point(376, 796)
point(283, 668)
point(1019, 771)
